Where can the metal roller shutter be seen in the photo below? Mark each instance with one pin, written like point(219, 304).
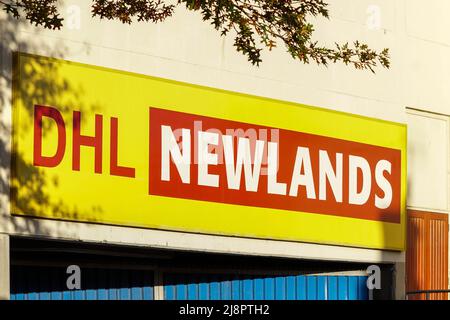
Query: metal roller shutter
point(49, 283)
point(299, 287)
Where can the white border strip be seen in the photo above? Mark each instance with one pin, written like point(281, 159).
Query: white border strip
point(95, 233)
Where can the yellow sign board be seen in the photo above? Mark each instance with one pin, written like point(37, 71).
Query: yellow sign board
point(100, 145)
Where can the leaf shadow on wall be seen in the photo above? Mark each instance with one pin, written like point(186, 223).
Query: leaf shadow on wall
point(41, 84)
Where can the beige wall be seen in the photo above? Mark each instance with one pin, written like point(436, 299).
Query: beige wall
point(185, 48)
point(4, 267)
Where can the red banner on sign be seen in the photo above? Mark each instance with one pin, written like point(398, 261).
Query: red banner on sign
point(209, 159)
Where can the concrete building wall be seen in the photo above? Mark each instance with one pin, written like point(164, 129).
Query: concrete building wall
point(4, 267)
point(185, 48)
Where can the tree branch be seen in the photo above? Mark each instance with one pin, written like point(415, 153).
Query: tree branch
point(263, 22)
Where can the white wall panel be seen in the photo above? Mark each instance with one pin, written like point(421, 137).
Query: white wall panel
point(428, 154)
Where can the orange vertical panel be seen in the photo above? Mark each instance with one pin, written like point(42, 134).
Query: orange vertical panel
point(438, 254)
point(415, 264)
point(427, 253)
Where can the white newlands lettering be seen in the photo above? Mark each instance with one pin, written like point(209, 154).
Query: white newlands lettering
point(243, 159)
point(356, 163)
point(326, 172)
point(206, 158)
point(273, 186)
point(302, 160)
point(233, 173)
point(384, 184)
point(170, 148)
point(247, 158)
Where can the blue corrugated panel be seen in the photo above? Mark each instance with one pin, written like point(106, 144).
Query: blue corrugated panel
point(311, 287)
point(269, 288)
point(90, 277)
point(44, 283)
point(322, 289)
point(248, 289)
point(125, 294)
point(113, 285)
point(301, 287)
point(192, 291)
point(147, 293)
point(352, 288)
point(21, 283)
point(49, 284)
point(136, 286)
point(56, 295)
point(180, 288)
point(342, 287)
point(125, 283)
point(67, 295)
point(80, 295)
point(236, 289)
point(19, 296)
point(280, 288)
point(32, 296)
point(290, 288)
point(363, 293)
point(258, 288)
point(226, 289)
point(56, 290)
point(32, 287)
point(39, 283)
point(214, 290)
point(203, 290)
point(102, 280)
point(112, 294)
point(332, 287)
